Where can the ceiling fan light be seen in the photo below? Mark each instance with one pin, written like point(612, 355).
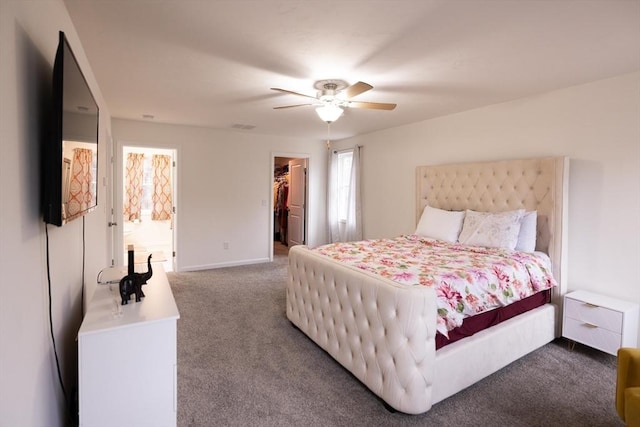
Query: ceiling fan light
point(329, 113)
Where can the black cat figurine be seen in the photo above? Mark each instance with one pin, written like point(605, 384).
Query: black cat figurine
point(132, 284)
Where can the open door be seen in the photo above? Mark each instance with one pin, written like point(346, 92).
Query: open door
point(148, 204)
point(297, 201)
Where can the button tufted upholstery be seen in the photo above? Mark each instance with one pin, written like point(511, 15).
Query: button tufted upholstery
point(384, 335)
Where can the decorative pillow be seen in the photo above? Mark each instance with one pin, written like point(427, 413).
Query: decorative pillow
point(528, 232)
point(494, 230)
point(440, 224)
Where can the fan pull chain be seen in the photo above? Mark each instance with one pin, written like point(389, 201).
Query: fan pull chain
point(328, 136)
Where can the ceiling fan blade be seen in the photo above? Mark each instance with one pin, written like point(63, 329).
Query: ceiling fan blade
point(357, 89)
point(290, 106)
point(293, 93)
point(371, 105)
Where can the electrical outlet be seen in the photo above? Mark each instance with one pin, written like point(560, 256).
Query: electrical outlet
point(225, 245)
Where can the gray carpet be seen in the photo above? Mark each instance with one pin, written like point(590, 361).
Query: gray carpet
point(241, 363)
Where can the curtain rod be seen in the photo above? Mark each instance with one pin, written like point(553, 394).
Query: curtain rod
point(346, 149)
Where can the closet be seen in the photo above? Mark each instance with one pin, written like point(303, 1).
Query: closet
point(280, 201)
point(289, 201)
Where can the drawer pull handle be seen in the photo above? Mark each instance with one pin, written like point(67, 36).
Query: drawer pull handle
point(590, 325)
point(591, 305)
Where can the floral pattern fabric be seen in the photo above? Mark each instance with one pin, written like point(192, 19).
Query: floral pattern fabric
point(468, 280)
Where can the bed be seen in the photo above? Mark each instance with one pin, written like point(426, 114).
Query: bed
point(384, 332)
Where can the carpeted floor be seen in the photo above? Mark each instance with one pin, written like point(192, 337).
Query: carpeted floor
point(241, 363)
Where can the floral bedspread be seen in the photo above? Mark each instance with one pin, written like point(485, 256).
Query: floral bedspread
point(468, 279)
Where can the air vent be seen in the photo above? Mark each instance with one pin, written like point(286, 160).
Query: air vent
point(241, 126)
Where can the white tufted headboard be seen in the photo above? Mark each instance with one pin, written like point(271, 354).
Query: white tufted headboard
point(539, 184)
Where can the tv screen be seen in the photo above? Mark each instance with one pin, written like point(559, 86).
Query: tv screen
point(70, 156)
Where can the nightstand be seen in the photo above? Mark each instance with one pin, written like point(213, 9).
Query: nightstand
point(601, 322)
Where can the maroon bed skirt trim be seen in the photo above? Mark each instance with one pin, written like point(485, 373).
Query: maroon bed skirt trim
point(481, 321)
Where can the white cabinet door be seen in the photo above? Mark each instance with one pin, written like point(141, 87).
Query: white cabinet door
point(127, 376)
point(297, 200)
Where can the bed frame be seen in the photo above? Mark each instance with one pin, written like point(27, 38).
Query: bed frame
point(384, 332)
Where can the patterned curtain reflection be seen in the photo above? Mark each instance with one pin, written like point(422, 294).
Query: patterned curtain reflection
point(133, 186)
point(161, 198)
point(80, 195)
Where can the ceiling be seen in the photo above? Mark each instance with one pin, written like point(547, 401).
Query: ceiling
point(212, 62)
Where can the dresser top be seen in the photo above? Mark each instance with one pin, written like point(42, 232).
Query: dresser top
point(105, 311)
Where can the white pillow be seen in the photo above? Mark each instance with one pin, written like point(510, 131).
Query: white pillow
point(494, 230)
point(528, 232)
point(440, 224)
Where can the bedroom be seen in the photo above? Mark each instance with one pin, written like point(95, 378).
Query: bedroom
point(595, 123)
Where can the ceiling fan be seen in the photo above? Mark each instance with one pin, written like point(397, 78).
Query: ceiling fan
point(333, 96)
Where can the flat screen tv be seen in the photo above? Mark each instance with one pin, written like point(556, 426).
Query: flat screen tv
point(70, 155)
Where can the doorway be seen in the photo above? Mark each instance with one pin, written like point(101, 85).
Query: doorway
point(290, 202)
point(148, 204)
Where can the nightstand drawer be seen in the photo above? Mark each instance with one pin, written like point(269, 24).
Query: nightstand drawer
point(595, 315)
point(591, 335)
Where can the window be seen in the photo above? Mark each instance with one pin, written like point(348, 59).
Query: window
point(344, 216)
point(345, 159)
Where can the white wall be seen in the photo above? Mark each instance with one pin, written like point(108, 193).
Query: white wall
point(597, 125)
point(225, 189)
point(29, 391)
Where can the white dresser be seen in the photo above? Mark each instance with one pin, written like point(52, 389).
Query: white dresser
point(127, 363)
point(599, 321)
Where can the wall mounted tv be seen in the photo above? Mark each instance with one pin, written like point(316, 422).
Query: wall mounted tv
point(70, 155)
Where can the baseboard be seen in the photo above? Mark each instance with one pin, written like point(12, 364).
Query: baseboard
point(224, 264)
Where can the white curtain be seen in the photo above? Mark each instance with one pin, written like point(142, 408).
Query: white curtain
point(349, 227)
